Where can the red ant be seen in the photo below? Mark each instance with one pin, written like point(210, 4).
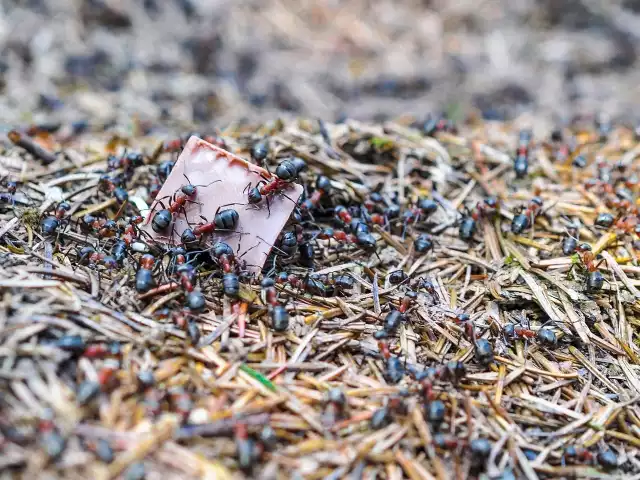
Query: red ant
point(93, 258)
point(595, 279)
point(223, 220)
point(102, 350)
point(144, 275)
point(51, 223)
point(487, 208)
point(131, 231)
point(342, 214)
point(9, 195)
point(190, 190)
point(513, 331)
point(107, 184)
point(452, 371)
point(339, 235)
point(181, 402)
point(424, 208)
point(323, 185)
point(627, 224)
point(286, 173)
point(574, 454)
point(525, 220)
point(248, 451)
point(277, 313)
point(447, 442)
point(127, 161)
point(186, 273)
point(407, 301)
point(469, 330)
point(107, 372)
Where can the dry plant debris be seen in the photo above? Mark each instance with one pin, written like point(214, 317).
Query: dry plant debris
point(445, 302)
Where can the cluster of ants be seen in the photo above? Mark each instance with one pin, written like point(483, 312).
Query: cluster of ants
point(320, 217)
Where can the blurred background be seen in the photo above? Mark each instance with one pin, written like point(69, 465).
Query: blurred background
point(214, 61)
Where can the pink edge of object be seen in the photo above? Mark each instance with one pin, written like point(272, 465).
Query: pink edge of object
point(256, 231)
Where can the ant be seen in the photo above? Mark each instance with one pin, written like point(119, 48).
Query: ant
point(9, 195)
point(570, 242)
point(521, 162)
point(595, 279)
point(525, 220)
point(627, 224)
point(424, 208)
point(127, 161)
point(144, 275)
point(259, 152)
point(437, 124)
point(108, 185)
point(247, 450)
point(486, 208)
point(343, 215)
point(186, 273)
point(336, 405)
point(452, 371)
point(277, 313)
point(190, 190)
point(311, 285)
point(323, 186)
point(89, 256)
point(286, 172)
point(51, 223)
point(163, 218)
point(132, 231)
point(424, 243)
point(223, 220)
point(50, 437)
point(181, 402)
point(394, 368)
point(394, 405)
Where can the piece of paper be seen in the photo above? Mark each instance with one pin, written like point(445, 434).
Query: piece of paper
point(256, 230)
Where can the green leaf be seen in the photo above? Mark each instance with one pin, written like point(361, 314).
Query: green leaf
point(383, 143)
point(258, 376)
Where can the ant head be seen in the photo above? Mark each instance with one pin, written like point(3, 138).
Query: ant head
point(583, 247)
point(491, 202)
point(189, 190)
point(254, 195)
point(135, 158)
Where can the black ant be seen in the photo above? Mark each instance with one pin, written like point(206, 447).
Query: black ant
point(521, 162)
point(51, 223)
point(108, 185)
point(524, 220)
point(424, 208)
point(223, 220)
point(277, 313)
point(286, 172)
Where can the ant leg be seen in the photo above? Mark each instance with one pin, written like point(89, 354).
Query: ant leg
point(271, 245)
point(247, 250)
point(273, 269)
point(247, 188)
point(268, 208)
